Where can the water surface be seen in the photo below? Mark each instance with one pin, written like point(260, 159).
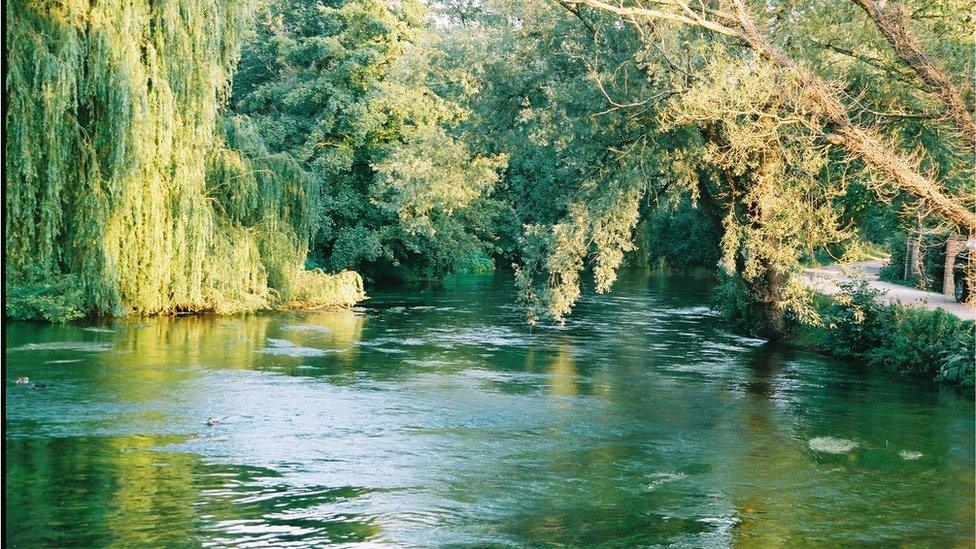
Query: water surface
point(436, 417)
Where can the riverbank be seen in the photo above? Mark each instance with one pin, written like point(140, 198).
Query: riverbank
point(61, 300)
point(859, 323)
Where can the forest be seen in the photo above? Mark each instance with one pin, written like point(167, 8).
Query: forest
point(240, 155)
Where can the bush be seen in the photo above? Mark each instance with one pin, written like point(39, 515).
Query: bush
point(312, 289)
point(857, 321)
point(894, 270)
point(731, 297)
point(902, 340)
point(960, 361)
point(918, 342)
point(55, 298)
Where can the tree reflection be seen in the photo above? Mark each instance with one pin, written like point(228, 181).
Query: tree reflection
point(125, 491)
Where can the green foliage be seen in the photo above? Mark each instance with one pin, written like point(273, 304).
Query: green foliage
point(932, 266)
point(894, 269)
point(118, 178)
point(857, 322)
point(365, 134)
point(874, 220)
point(918, 342)
point(902, 340)
point(570, 201)
point(341, 96)
point(671, 110)
point(959, 366)
point(731, 298)
point(315, 289)
point(57, 299)
point(112, 110)
point(681, 237)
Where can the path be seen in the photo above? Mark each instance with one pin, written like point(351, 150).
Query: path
point(826, 280)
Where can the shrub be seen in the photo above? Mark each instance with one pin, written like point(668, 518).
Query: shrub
point(312, 289)
point(57, 298)
point(917, 342)
point(894, 270)
point(960, 360)
point(906, 341)
point(731, 297)
point(856, 319)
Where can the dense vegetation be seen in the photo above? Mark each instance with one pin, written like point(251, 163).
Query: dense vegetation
point(906, 341)
point(225, 154)
point(117, 181)
point(343, 95)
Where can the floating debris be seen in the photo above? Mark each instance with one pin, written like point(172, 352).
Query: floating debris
point(23, 380)
point(212, 422)
point(657, 479)
point(832, 445)
point(40, 385)
point(910, 455)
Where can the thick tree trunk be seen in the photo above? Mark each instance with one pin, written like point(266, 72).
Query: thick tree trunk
point(765, 290)
point(766, 293)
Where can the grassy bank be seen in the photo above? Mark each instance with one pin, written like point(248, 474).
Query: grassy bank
point(902, 340)
point(60, 300)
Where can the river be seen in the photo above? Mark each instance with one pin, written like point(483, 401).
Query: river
point(433, 417)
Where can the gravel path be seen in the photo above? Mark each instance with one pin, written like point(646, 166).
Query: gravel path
point(826, 280)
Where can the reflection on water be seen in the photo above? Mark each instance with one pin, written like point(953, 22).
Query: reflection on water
point(436, 417)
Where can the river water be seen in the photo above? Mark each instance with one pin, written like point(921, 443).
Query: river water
point(433, 417)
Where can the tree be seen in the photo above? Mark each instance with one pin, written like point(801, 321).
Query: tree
point(822, 103)
point(111, 117)
point(344, 91)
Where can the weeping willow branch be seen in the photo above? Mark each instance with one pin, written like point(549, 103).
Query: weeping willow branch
point(111, 126)
point(891, 21)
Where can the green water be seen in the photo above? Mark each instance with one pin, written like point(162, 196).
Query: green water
point(436, 417)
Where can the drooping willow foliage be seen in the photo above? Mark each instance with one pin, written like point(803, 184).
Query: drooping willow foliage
point(112, 126)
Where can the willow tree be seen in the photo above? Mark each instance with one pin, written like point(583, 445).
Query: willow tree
point(111, 119)
point(797, 102)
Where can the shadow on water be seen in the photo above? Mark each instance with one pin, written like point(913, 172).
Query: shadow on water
point(764, 366)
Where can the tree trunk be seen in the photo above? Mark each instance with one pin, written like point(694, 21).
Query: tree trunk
point(766, 293)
